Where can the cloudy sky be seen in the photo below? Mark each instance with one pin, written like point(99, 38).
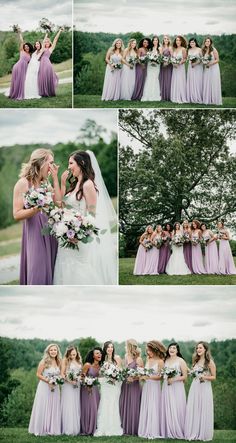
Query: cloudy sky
point(118, 313)
point(47, 126)
point(27, 13)
point(156, 16)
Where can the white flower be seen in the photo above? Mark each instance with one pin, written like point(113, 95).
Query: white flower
point(60, 229)
point(34, 194)
point(88, 220)
point(68, 215)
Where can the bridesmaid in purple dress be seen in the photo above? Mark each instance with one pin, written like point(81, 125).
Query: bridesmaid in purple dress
point(17, 88)
point(150, 410)
point(128, 72)
point(143, 250)
point(211, 251)
point(46, 413)
point(178, 80)
point(226, 261)
point(199, 421)
point(187, 245)
point(141, 69)
point(173, 394)
point(90, 396)
point(38, 252)
point(130, 397)
point(112, 81)
point(166, 69)
point(197, 258)
point(165, 251)
point(152, 258)
point(47, 78)
point(211, 74)
point(195, 72)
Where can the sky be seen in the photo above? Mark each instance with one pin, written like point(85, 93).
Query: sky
point(118, 312)
point(47, 126)
point(156, 16)
point(28, 13)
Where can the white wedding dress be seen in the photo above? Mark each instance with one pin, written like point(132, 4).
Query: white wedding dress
point(176, 264)
point(108, 419)
point(151, 90)
point(31, 79)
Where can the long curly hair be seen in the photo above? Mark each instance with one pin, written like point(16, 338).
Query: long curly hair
point(113, 46)
point(68, 351)
point(208, 356)
point(204, 48)
point(90, 356)
point(157, 348)
point(183, 41)
point(129, 45)
point(82, 158)
point(132, 348)
point(47, 360)
point(31, 170)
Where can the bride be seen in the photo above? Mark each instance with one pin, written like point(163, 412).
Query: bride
point(31, 79)
point(93, 263)
point(151, 90)
point(176, 264)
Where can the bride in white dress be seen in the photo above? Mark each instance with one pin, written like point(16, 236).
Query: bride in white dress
point(176, 264)
point(93, 263)
point(151, 90)
point(108, 418)
point(31, 79)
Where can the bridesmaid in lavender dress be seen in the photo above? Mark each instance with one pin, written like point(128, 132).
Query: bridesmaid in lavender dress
point(90, 396)
point(199, 421)
point(38, 252)
point(165, 251)
point(141, 69)
point(187, 244)
point(211, 74)
point(17, 88)
point(195, 72)
point(178, 80)
point(166, 69)
point(150, 410)
point(173, 394)
point(112, 80)
point(143, 251)
point(47, 78)
point(130, 397)
point(226, 261)
point(46, 413)
point(128, 72)
point(152, 258)
point(70, 394)
point(211, 251)
point(197, 258)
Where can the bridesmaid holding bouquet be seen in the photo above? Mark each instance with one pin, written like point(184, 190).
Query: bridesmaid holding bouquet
point(141, 69)
point(17, 88)
point(112, 81)
point(128, 71)
point(187, 245)
point(178, 81)
point(226, 261)
point(195, 72)
point(197, 258)
point(151, 266)
point(165, 251)
point(166, 68)
point(143, 249)
point(211, 74)
point(211, 252)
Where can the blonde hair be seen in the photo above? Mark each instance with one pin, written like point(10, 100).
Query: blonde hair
point(130, 43)
point(68, 351)
point(113, 46)
point(31, 170)
point(47, 360)
point(169, 43)
point(132, 348)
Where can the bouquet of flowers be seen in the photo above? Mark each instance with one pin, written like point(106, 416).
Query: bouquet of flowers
point(175, 60)
point(147, 244)
point(89, 381)
point(16, 28)
point(154, 59)
point(178, 240)
point(144, 372)
point(143, 59)
point(195, 240)
point(168, 373)
point(111, 372)
point(137, 372)
point(115, 66)
point(193, 58)
point(186, 236)
point(54, 380)
point(46, 25)
point(206, 60)
point(197, 373)
point(205, 240)
point(158, 242)
point(166, 60)
point(220, 235)
point(132, 60)
point(41, 197)
point(74, 376)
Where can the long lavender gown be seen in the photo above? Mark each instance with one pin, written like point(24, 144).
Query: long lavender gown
point(130, 399)
point(46, 413)
point(47, 78)
point(89, 406)
point(17, 88)
point(150, 410)
point(140, 77)
point(70, 405)
point(151, 265)
point(173, 407)
point(212, 85)
point(165, 78)
point(112, 80)
point(194, 82)
point(178, 82)
point(197, 258)
point(199, 421)
point(226, 261)
point(140, 260)
point(127, 81)
point(211, 256)
point(164, 257)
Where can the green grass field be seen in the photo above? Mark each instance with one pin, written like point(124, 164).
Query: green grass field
point(94, 101)
point(126, 277)
point(20, 435)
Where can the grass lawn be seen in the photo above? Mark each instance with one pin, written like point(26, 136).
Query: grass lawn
point(20, 435)
point(126, 277)
point(94, 101)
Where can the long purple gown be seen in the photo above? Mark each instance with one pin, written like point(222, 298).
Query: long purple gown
point(112, 80)
point(178, 82)
point(89, 406)
point(165, 78)
point(38, 253)
point(47, 78)
point(211, 257)
point(226, 261)
point(212, 85)
point(164, 257)
point(188, 255)
point(140, 77)
point(130, 399)
point(197, 258)
point(70, 405)
point(17, 88)
point(194, 82)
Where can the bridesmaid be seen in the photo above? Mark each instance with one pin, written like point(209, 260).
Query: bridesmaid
point(38, 252)
point(47, 78)
point(141, 69)
point(46, 413)
point(17, 88)
point(165, 251)
point(152, 258)
point(199, 421)
point(70, 395)
point(197, 258)
point(112, 80)
point(150, 410)
point(141, 256)
point(211, 75)
point(131, 391)
point(211, 252)
point(166, 69)
point(173, 395)
point(195, 73)
point(178, 80)
point(187, 245)
point(90, 396)
point(128, 72)
point(226, 261)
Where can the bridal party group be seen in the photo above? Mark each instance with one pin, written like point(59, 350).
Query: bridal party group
point(107, 396)
point(190, 248)
point(154, 71)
